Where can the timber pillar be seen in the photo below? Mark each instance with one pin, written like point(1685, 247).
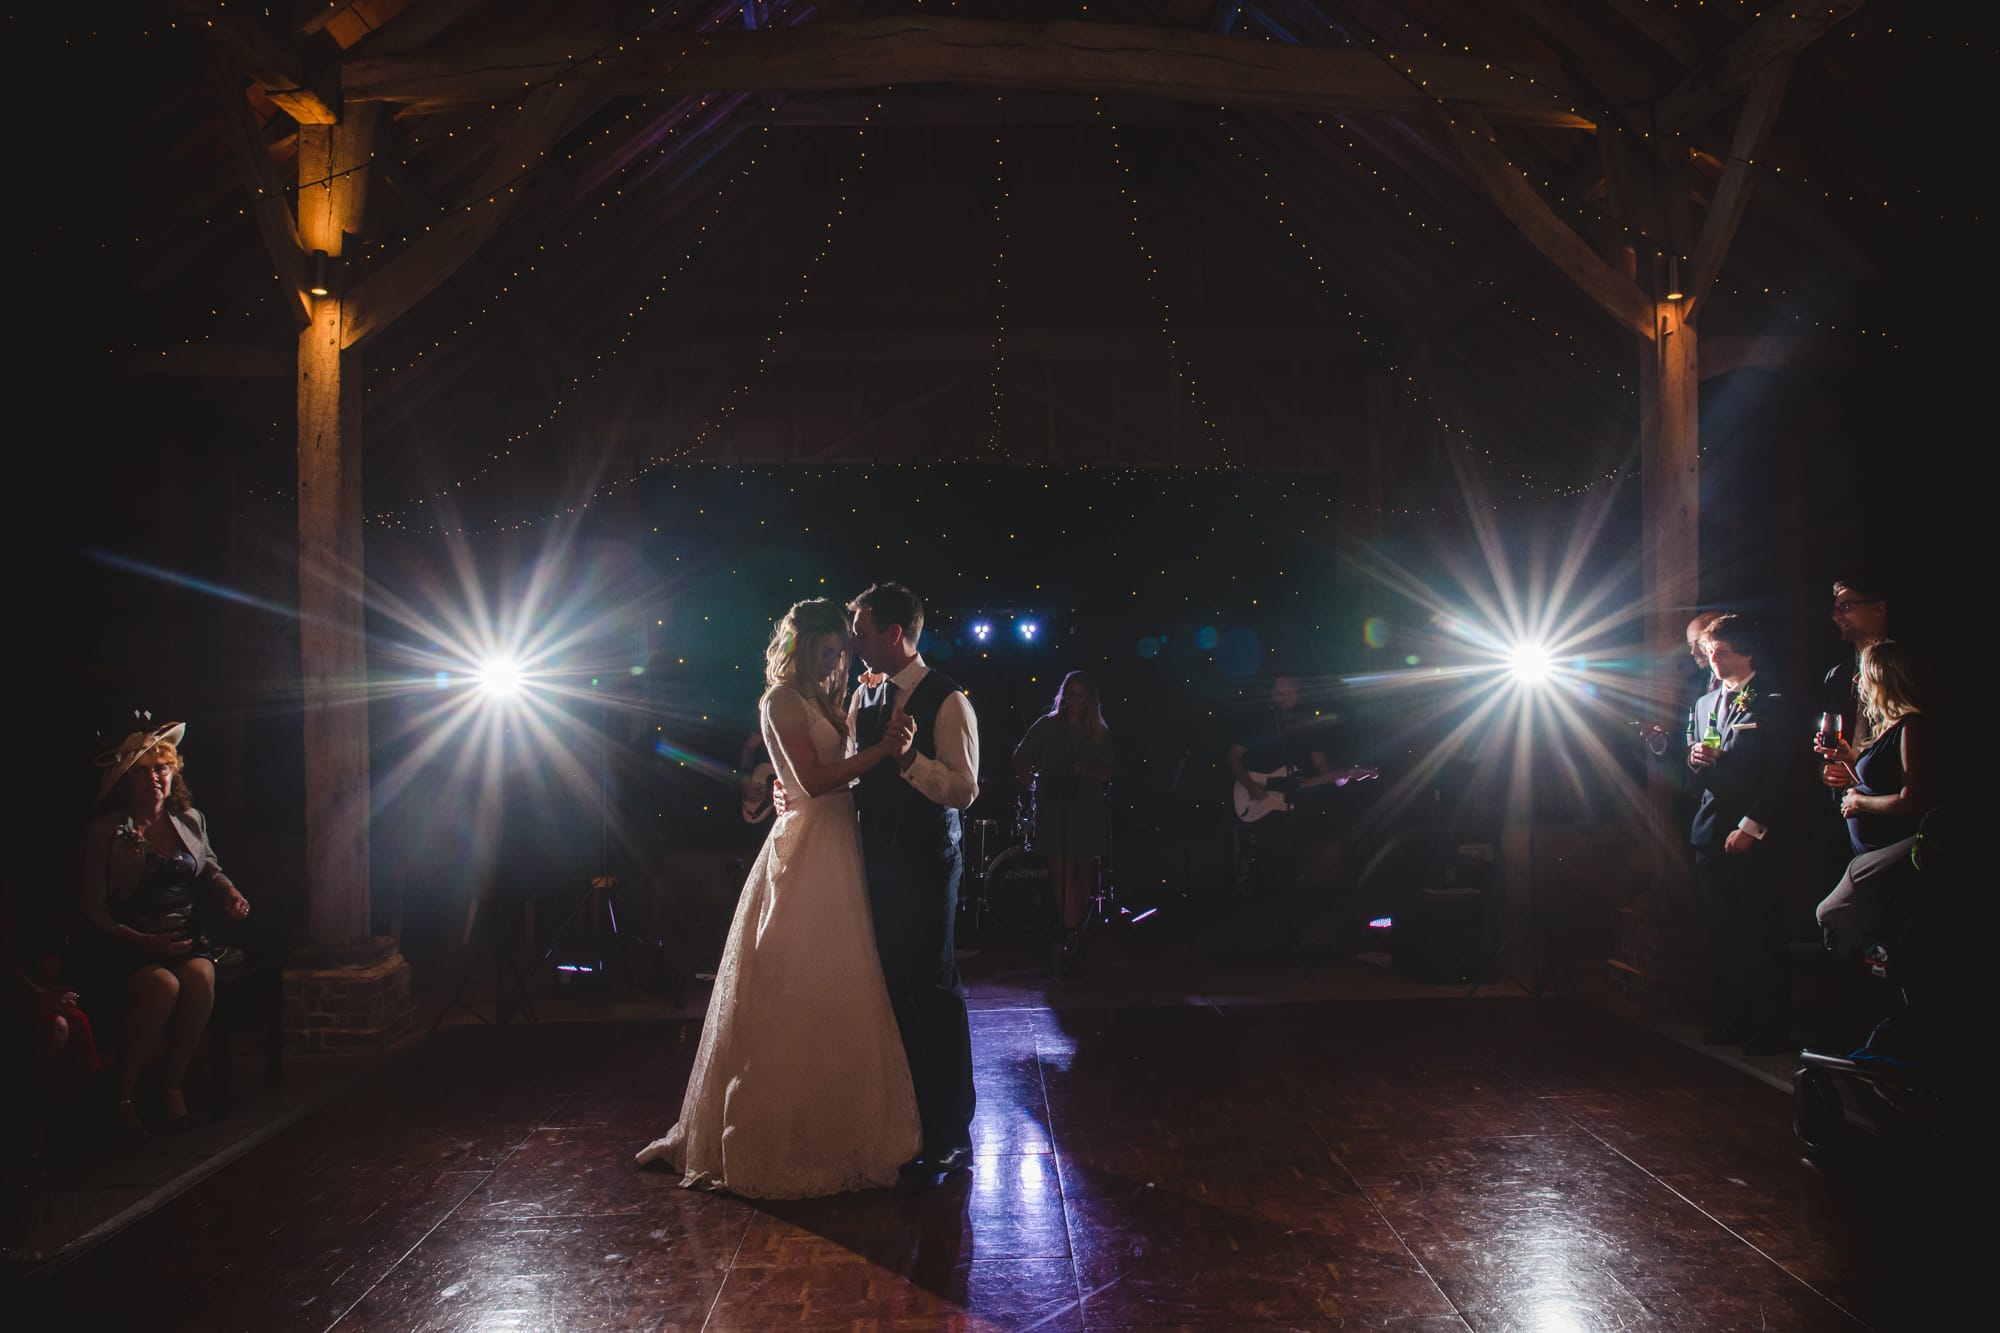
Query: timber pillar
point(347, 988)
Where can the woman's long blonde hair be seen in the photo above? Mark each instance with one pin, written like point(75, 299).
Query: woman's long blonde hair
point(796, 639)
point(1892, 685)
point(1093, 713)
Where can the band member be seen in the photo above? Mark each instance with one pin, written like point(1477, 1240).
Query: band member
point(1276, 767)
point(1067, 758)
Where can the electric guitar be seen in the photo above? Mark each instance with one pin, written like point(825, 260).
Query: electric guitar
point(1281, 790)
point(757, 793)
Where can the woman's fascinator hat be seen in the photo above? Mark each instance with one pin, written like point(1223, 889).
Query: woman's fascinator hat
point(117, 761)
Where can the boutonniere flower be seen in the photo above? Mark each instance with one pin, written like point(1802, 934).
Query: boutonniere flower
point(1742, 697)
point(129, 836)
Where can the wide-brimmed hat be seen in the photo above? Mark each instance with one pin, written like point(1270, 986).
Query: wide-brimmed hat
point(118, 760)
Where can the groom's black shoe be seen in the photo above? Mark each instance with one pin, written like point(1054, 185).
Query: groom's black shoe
point(952, 1159)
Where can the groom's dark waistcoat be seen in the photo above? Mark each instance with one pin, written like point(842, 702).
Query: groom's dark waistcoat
point(884, 799)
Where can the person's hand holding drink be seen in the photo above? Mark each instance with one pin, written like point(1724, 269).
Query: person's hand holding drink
point(1830, 744)
point(1703, 752)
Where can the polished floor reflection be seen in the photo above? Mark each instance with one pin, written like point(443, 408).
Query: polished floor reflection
point(1411, 1164)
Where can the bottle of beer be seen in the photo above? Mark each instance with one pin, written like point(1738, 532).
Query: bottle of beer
point(1711, 740)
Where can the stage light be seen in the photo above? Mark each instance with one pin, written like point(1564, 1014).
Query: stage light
point(499, 678)
point(1529, 663)
point(1027, 630)
point(982, 630)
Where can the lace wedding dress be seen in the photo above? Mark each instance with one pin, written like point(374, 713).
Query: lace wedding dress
point(800, 1086)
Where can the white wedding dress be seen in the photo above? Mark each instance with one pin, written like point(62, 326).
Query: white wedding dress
point(800, 1086)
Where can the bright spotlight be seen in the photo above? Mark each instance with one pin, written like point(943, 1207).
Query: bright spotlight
point(1028, 630)
point(982, 630)
point(499, 678)
point(1530, 663)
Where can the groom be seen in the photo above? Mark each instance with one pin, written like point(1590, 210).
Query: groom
point(909, 810)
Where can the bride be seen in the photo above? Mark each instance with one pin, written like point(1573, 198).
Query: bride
point(800, 1086)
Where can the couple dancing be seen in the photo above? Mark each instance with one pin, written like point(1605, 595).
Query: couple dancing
point(836, 1054)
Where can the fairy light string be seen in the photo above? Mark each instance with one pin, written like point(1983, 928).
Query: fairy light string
point(1151, 265)
point(722, 415)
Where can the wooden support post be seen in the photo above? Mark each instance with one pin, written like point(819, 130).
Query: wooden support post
point(346, 988)
point(1670, 522)
point(332, 638)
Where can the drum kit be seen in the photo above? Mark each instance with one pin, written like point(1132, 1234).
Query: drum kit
point(1017, 892)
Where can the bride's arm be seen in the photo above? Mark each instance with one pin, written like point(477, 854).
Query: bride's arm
point(794, 732)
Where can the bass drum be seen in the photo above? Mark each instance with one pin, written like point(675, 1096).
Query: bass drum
point(1020, 895)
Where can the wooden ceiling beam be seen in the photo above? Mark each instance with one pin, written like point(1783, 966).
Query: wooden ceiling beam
point(412, 29)
point(1617, 295)
point(1717, 83)
point(1732, 192)
point(407, 279)
point(1172, 63)
point(276, 224)
point(264, 58)
point(815, 110)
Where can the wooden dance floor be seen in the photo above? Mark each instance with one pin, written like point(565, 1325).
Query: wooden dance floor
point(1418, 1164)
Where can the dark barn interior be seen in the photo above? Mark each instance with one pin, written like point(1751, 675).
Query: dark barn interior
point(1191, 343)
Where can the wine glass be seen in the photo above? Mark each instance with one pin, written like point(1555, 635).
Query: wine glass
point(1829, 734)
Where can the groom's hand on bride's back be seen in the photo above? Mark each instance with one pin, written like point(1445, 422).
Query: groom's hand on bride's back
point(779, 801)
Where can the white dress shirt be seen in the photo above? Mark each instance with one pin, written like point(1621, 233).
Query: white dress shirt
point(953, 777)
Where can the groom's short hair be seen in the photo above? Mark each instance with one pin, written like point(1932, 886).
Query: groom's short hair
point(1746, 634)
point(892, 604)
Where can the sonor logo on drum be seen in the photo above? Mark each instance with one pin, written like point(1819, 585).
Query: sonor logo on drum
point(1019, 897)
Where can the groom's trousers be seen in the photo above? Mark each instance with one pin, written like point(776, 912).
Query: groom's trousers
point(913, 896)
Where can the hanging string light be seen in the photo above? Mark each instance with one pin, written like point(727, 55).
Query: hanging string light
point(733, 402)
point(1151, 263)
point(730, 185)
point(998, 348)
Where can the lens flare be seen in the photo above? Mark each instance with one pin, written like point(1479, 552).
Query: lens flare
point(1522, 656)
point(499, 678)
point(1531, 663)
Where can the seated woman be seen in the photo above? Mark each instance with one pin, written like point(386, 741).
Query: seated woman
point(1891, 784)
point(150, 884)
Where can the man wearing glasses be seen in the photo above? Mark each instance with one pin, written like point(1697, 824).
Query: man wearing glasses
point(1861, 614)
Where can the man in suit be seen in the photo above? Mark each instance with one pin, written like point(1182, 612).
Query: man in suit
point(1656, 735)
point(1861, 615)
point(909, 819)
point(1741, 826)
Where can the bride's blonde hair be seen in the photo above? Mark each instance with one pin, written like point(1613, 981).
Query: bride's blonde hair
point(794, 647)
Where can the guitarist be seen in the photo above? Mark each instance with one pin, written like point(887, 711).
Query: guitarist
point(754, 775)
point(1294, 742)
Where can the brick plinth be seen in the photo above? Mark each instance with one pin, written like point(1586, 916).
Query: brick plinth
point(355, 998)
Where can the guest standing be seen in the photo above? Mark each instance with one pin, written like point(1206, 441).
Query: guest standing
point(1739, 833)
